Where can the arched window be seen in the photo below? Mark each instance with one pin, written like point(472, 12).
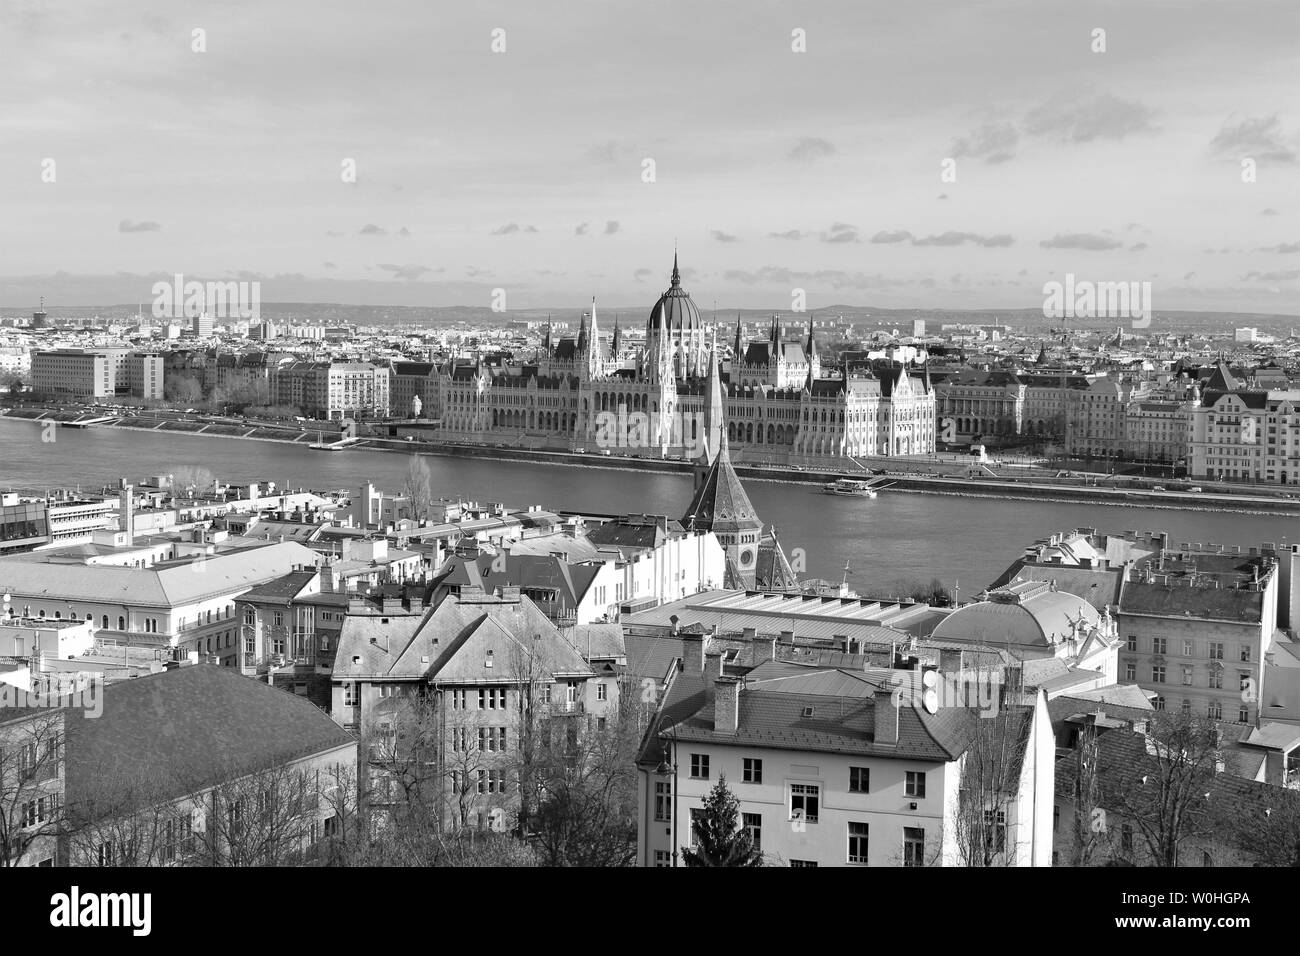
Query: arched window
point(104, 622)
point(121, 623)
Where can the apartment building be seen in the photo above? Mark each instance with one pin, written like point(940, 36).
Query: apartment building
point(474, 675)
point(1197, 623)
point(411, 380)
point(97, 373)
point(834, 767)
point(332, 390)
point(1157, 431)
point(1246, 435)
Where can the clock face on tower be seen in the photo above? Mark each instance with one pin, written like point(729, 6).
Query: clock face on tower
point(747, 558)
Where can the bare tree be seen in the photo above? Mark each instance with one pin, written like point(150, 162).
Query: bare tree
point(1086, 833)
point(990, 779)
point(1163, 792)
point(31, 785)
point(417, 488)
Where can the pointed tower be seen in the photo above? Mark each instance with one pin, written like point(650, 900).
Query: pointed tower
point(714, 432)
point(616, 343)
point(582, 336)
point(810, 353)
point(774, 334)
point(547, 344)
point(720, 504)
point(592, 356)
point(737, 350)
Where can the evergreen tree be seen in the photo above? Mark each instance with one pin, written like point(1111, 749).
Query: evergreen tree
point(719, 840)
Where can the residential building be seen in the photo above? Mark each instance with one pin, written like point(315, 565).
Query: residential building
point(834, 766)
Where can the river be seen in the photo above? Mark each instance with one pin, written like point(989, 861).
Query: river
point(897, 536)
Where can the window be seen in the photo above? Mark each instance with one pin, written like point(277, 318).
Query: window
point(1157, 673)
point(1159, 645)
point(700, 766)
point(914, 784)
point(488, 661)
point(1132, 644)
point(802, 863)
point(753, 824)
point(1187, 675)
point(458, 699)
point(663, 802)
point(805, 802)
point(1245, 653)
point(602, 692)
point(995, 830)
point(859, 780)
point(1215, 710)
point(351, 698)
point(1131, 671)
point(662, 858)
point(913, 846)
point(697, 818)
point(1216, 679)
point(250, 616)
point(546, 693)
point(857, 842)
point(752, 770)
point(1216, 650)
point(600, 724)
point(492, 698)
point(1243, 714)
point(1187, 649)
point(1158, 703)
point(460, 739)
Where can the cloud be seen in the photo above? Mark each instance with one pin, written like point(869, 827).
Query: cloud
point(330, 265)
point(721, 236)
point(1189, 276)
point(943, 195)
point(898, 235)
point(1284, 276)
point(475, 272)
point(992, 142)
point(961, 238)
point(1285, 248)
point(1072, 118)
point(1137, 247)
point(403, 231)
point(1269, 212)
point(530, 229)
point(611, 227)
point(788, 234)
point(809, 149)
point(370, 229)
point(128, 225)
point(409, 272)
point(331, 232)
point(840, 232)
point(1257, 139)
point(580, 229)
point(507, 229)
point(827, 278)
point(1081, 240)
point(642, 274)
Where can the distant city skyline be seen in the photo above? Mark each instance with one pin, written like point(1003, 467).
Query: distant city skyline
point(523, 170)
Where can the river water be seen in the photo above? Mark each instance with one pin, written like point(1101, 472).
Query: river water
point(895, 537)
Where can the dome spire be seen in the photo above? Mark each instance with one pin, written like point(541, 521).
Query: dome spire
point(677, 276)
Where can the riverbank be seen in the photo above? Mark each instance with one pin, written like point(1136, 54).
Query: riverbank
point(1062, 490)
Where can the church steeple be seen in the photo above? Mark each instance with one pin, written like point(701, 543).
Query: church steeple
point(736, 352)
point(582, 335)
point(616, 342)
point(811, 355)
point(774, 336)
point(547, 344)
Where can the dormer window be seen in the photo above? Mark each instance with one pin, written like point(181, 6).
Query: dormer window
point(488, 662)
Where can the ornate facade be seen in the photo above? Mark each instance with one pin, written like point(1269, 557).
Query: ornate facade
point(777, 406)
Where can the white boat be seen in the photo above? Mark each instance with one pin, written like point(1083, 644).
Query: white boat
point(849, 488)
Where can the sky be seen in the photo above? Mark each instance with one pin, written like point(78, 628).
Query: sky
point(794, 145)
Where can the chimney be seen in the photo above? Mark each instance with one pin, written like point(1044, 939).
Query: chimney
point(693, 653)
point(748, 633)
point(726, 705)
point(764, 649)
point(787, 637)
point(713, 664)
point(126, 512)
point(886, 714)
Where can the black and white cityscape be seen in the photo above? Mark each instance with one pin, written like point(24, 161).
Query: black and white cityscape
point(650, 436)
